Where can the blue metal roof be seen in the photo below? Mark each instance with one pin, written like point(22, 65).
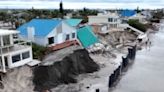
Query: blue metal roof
point(42, 26)
point(73, 22)
point(128, 13)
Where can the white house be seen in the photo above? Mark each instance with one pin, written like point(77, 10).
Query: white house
point(48, 32)
point(112, 19)
point(13, 54)
point(147, 13)
point(140, 17)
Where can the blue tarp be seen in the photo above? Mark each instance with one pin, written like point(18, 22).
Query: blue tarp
point(128, 13)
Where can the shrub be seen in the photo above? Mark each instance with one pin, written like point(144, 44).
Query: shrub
point(136, 24)
point(38, 51)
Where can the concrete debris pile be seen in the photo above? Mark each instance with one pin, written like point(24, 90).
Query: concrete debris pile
point(97, 47)
point(64, 71)
point(103, 49)
point(119, 38)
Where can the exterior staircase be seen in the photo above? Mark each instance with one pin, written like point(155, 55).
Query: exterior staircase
point(134, 29)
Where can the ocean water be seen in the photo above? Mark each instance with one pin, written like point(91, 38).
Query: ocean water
point(147, 72)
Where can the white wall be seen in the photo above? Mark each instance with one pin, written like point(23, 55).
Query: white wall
point(37, 39)
point(22, 62)
point(30, 33)
point(23, 37)
point(68, 30)
point(94, 19)
point(11, 40)
point(53, 33)
point(59, 33)
point(41, 40)
point(60, 38)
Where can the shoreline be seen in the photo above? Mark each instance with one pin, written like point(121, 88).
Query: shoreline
point(99, 79)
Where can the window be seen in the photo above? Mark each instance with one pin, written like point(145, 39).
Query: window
point(25, 55)
point(15, 36)
point(115, 20)
point(16, 58)
point(6, 40)
point(51, 40)
point(6, 61)
point(110, 19)
point(67, 37)
point(73, 35)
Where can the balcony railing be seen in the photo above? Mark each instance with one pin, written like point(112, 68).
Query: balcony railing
point(18, 45)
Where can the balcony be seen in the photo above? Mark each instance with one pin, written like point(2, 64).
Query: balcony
point(18, 45)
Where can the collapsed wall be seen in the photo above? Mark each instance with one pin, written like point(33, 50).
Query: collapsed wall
point(64, 71)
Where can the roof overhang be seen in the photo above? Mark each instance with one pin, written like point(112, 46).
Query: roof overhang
point(8, 32)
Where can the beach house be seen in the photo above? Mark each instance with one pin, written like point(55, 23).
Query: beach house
point(13, 53)
point(54, 33)
point(141, 18)
point(112, 19)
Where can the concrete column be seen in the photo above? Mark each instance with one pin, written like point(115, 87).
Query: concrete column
point(10, 62)
point(11, 40)
point(1, 40)
point(3, 64)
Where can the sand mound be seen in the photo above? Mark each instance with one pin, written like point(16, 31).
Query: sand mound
point(64, 71)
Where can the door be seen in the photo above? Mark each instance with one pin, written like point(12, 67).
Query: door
point(6, 61)
point(1, 63)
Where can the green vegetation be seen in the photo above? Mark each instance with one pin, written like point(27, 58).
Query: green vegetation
point(136, 24)
point(158, 14)
point(83, 14)
point(38, 51)
point(138, 10)
point(19, 17)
